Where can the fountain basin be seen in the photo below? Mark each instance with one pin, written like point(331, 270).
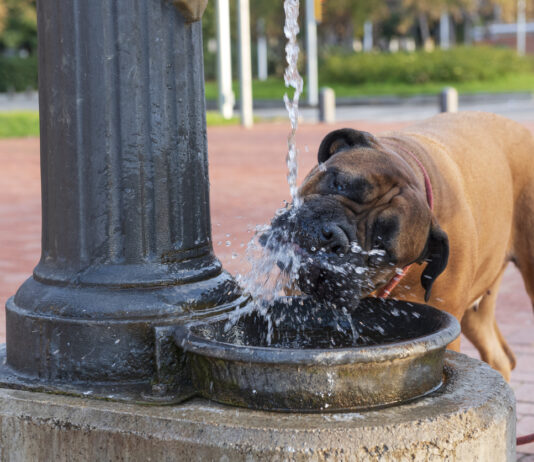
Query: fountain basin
point(401, 361)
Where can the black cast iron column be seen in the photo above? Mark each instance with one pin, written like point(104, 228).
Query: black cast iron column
point(126, 241)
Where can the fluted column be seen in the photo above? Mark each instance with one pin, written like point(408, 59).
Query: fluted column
point(126, 240)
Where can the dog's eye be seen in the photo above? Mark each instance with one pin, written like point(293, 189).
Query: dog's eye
point(338, 185)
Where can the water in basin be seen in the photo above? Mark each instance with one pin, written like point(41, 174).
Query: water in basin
point(300, 322)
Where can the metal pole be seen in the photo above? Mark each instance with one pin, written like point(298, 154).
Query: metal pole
point(368, 36)
point(224, 59)
point(444, 31)
point(262, 51)
point(311, 54)
point(245, 65)
point(126, 238)
point(521, 28)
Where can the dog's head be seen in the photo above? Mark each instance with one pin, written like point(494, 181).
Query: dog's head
point(363, 216)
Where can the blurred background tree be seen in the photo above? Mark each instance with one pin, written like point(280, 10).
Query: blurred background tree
point(504, 10)
point(422, 13)
point(344, 19)
point(18, 45)
point(18, 26)
point(3, 15)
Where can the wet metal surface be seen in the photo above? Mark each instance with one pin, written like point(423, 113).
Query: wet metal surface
point(126, 233)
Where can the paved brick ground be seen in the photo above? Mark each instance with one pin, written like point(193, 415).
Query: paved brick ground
point(247, 185)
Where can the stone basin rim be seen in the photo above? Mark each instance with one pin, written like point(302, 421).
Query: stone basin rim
point(448, 331)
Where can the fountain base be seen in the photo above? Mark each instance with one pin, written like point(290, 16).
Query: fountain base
point(472, 417)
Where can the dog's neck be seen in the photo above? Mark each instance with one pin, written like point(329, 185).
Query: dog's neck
point(405, 152)
point(428, 184)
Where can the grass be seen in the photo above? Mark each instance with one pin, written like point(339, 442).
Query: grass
point(275, 89)
point(272, 88)
point(19, 124)
point(23, 124)
point(215, 118)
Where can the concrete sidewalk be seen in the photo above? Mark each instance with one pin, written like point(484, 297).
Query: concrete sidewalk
point(247, 171)
point(28, 101)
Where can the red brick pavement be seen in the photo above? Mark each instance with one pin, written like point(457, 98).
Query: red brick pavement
point(247, 170)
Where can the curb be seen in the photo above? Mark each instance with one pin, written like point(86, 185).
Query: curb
point(396, 100)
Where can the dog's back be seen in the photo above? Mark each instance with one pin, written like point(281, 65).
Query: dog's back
point(486, 164)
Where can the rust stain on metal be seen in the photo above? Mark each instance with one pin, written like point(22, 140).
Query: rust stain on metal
point(192, 10)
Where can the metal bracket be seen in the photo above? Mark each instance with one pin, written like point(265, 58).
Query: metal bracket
point(192, 10)
point(173, 378)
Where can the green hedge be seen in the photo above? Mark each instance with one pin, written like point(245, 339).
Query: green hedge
point(460, 64)
point(18, 73)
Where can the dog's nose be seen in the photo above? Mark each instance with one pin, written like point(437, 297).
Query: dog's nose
point(334, 239)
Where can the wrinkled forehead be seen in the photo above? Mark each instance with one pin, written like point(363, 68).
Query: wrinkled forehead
point(372, 160)
point(370, 163)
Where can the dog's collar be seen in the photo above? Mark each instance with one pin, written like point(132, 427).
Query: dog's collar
point(386, 291)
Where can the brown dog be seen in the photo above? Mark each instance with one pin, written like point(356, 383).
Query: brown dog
point(371, 190)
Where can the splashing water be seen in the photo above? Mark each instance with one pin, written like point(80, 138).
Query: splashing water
point(274, 268)
point(293, 79)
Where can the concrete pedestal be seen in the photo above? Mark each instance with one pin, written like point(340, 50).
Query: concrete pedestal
point(471, 419)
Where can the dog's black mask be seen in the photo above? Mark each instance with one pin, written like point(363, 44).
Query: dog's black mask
point(330, 267)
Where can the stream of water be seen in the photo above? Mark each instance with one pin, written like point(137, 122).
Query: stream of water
point(292, 78)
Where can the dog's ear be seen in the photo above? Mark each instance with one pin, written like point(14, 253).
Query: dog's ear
point(436, 255)
point(340, 140)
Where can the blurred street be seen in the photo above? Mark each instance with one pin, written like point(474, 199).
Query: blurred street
point(516, 106)
point(247, 171)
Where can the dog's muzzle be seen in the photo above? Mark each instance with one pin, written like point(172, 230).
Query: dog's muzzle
point(330, 269)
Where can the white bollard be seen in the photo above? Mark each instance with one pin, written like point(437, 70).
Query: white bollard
point(327, 105)
point(448, 100)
